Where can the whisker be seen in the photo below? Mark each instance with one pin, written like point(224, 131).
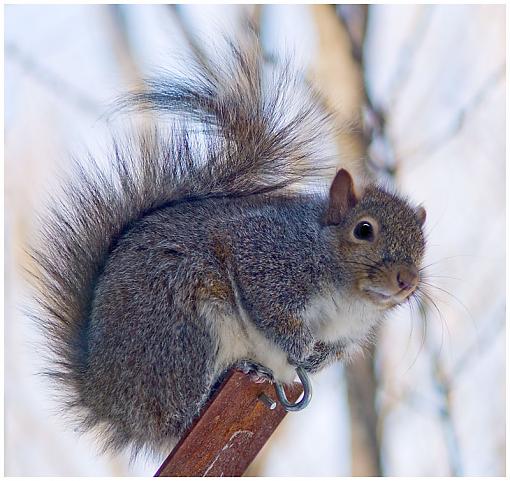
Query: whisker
point(363, 264)
point(411, 318)
point(416, 298)
point(427, 276)
point(453, 296)
point(425, 322)
point(376, 264)
point(448, 258)
point(444, 324)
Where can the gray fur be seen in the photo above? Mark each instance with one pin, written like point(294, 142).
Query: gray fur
point(155, 281)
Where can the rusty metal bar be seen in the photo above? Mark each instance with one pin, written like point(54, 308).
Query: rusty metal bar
point(231, 430)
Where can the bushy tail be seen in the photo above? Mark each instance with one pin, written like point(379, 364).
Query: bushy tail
point(237, 130)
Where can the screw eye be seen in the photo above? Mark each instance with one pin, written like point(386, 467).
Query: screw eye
point(364, 231)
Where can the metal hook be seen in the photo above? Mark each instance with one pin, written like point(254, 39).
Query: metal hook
point(307, 392)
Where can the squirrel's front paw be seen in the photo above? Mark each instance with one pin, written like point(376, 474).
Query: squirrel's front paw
point(257, 372)
point(299, 353)
point(321, 356)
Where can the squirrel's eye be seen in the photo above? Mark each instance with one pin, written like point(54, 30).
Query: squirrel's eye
point(364, 231)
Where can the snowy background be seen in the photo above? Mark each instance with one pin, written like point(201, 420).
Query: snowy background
point(430, 398)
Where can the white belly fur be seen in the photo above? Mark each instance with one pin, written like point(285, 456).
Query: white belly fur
point(331, 317)
point(334, 316)
point(239, 339)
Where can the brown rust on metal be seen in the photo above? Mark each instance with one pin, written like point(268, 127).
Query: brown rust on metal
point(231, 430)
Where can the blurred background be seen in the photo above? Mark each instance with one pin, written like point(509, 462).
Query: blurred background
point(422, 91)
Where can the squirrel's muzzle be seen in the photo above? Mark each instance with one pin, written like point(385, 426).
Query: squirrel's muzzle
point(392, 285)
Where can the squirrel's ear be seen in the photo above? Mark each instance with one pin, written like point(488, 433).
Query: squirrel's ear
point(341, 197)
point(421, 213)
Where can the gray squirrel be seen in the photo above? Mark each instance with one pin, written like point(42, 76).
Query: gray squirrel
point(195, 256)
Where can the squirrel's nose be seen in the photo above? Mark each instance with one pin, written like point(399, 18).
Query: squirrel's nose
point(407, 278)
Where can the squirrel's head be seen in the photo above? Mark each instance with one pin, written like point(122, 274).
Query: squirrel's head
point(380, 240)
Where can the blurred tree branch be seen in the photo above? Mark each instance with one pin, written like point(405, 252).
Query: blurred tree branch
point(56, 84)
point(338, 72)
point(117, 27)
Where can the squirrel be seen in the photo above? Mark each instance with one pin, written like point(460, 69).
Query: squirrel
point(195, 255)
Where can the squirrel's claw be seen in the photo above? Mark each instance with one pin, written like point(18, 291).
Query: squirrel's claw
point(257, 372)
